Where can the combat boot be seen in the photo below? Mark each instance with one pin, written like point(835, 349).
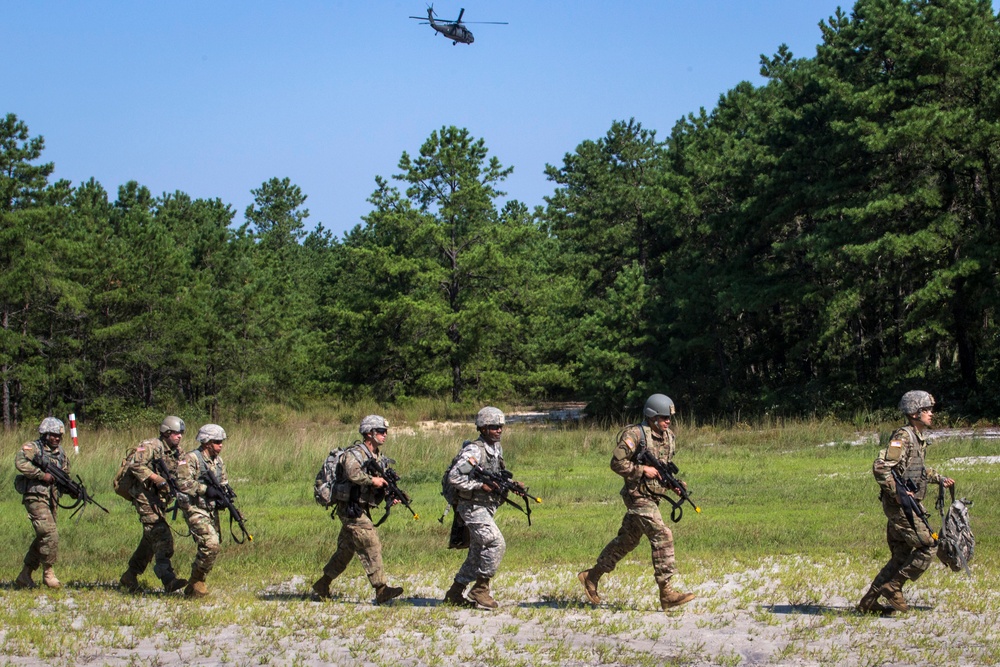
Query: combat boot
point(893, 594)
point(49, 577)
point(589, 579)
point(24, 579)
point(129, 581)
point(669, 598)
point(456, 595)
point(174, 584)
point(385, 593)
point(480, 594)
point(322, 586)
point(196, 587)
point(869, 603)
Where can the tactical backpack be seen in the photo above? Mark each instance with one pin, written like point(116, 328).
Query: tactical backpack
point(330, 486)
point(122, 482)
point(956, 545)
point(448, 490)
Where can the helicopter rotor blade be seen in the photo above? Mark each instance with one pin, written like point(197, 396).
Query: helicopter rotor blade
point(489, 22)
point(460, 14)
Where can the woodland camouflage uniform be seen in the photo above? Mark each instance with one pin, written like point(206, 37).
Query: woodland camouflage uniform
point(642, 511)
point(358, 535)
point(909, 537)
point(642, 515)
point(201, 514)
point(157, 541)
point(911, 547)
point(41, 501)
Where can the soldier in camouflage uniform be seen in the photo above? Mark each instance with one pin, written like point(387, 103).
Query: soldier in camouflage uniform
point(642, 515)
point(40, 497)
point(151, 494)
point(477, 503)
point(910, 543)
point(357, 532)
point(199, 511)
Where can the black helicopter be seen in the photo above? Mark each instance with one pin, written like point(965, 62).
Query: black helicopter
point(453, 30)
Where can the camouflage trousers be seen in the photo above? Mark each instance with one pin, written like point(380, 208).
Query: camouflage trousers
point(357, 537)
point(911, 549)
point(642, 518)
point(486, 543)
point(157, 543)
point(205, 531)
point(44, 548)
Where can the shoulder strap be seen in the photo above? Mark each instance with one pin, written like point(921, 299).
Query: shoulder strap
point(642, 435)
point(202, 463)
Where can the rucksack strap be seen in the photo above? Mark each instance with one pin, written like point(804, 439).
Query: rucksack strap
point(939, 503)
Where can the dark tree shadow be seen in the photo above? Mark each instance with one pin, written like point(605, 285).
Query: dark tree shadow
point(828, 610)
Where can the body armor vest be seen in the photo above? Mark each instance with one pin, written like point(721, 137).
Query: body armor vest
point(915, 471)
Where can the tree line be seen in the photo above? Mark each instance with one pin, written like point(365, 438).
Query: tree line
point(818, 243)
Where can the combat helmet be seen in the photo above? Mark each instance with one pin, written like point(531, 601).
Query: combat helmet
point(171, 424)
point(372, 422)
point(210, 432)
point(51, 425)
point(915, 401)
point(489, 416)
point(658, 405)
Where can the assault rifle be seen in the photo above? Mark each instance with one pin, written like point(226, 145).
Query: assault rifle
point(668, 475)
point(160, 468)
point(393, 494)
point(504, 484)
point(911, 506)
point(223, 496)
point(65, 483)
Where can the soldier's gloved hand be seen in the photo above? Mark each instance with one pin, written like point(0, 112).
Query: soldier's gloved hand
point(183, 500)
point(47, 478)
point(488, 488)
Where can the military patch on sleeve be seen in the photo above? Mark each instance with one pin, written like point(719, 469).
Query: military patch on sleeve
point(472, 460)
point(182, 462)
point(140, 448)
point(26, 448)
point(895, 450)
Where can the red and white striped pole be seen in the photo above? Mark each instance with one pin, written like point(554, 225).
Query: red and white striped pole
point(72, 432)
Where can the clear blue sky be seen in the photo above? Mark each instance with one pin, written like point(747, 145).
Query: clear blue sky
point(214, 98)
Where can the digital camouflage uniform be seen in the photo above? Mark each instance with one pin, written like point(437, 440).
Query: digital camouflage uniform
point(476, 508)
point(200, 513)
point(911, 547)
point(358, 535)
point(642, 515)
point(157, 538)
point(40, 500)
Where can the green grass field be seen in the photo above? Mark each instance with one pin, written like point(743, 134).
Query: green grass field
point(794, 500)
